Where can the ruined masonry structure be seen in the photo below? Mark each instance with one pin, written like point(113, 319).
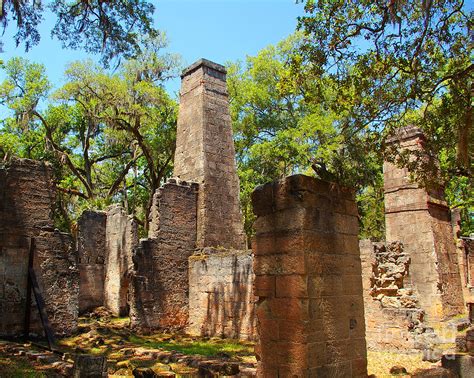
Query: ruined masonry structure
point(121, 238)
point(221, 300)
point(194, 270)
point(310, 309)
point(27, 198)
point(159, 283)
point(393, 316)
point(416, 278)
point(205, 155)
point(420, 220)
point(105, 240)
point(91, 258)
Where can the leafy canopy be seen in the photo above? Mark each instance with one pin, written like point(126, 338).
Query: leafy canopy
point(278, 132)
point(110, 136)
point(111, 28)
point(398, 57)
point(396, 63)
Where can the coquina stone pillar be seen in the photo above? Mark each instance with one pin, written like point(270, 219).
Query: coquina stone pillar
point(205, 154)
point(420, 218)
point(310, 312)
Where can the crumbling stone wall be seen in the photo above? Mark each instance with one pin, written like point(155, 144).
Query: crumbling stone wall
point(91, 252)
point(159, 284)
point(389, 271)
point(393, 318)
point(121, 237)
point(27, 197)
point(310, 311)
point(205, 155)
point(221, 302)
point(420, 219)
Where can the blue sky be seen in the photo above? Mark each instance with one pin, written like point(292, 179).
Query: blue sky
point(219, 30)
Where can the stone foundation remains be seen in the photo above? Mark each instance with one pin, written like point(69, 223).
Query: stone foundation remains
point(195, 273)
point(310, 311)
point(413, 281)
point(221, 302)
point(393, 317)
point(27, 198)
point(105, 241)
point(121, 238)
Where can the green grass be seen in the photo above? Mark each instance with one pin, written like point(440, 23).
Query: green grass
point(204, 348)
point(18, 367)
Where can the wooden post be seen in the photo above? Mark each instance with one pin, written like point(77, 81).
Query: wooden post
point(32, 284)
point(42, 310)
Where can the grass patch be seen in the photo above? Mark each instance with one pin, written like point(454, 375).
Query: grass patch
point(18, 367)
point(379, 363)
point(208, 348)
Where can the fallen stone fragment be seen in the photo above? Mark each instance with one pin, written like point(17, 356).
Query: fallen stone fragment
point(398, 370)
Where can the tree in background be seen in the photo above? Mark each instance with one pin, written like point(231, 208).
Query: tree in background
point(110, 28)
point(395, 63)
point(110, 137)
point(279, 130)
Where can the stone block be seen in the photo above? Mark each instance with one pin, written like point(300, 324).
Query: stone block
point(306, 240)
point(221, 302)
point(264, 286)
point(292, 286)
point(460, 364)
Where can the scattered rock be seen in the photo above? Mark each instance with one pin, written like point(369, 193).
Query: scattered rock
point(461, 345)
point(123, 364)
point(436, 372)
point(432, 354)
point(87, 365)
point(144, 373)
point(248, 372)
point(398, 370)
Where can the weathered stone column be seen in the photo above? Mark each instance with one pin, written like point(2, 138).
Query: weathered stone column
point(420, 219)
point(91, 251)
point(205, 154)
point(121, 238)
point(310, 313)
point(159, 284)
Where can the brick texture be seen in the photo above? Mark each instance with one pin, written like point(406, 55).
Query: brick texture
point(310, 312)
point(27, 197)
point(205, 155)
point(159, 282)
point(420, 219)
point(221, 302)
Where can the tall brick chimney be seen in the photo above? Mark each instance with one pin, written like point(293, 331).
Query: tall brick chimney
point(205, 154)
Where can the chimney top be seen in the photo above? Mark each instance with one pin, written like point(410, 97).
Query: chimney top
point(203, 63)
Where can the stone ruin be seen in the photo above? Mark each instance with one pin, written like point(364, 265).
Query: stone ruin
point(105, 241)
point(308, 280)
point(201, 272)
point(27, 198)
point(414, 280)
point(300, 292)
